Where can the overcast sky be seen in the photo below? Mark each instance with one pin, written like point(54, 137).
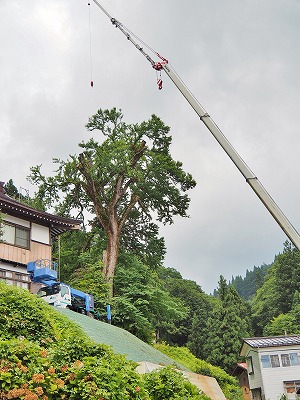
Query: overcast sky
point(240, 58)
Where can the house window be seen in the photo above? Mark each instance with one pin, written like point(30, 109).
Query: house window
point(16, 235)
point(292, 387)
point(290, 359)
point(21, 277)
point(250, 365)
point(271, 361)
point(6, 274)
point(295, 358)
point(265, 361)
point(274, 361)
point(285, 360)
point(15, 278)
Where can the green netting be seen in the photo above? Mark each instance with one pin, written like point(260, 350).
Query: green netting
point(120, 340)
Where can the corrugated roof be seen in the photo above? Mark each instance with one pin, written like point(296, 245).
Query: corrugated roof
point(273, 341)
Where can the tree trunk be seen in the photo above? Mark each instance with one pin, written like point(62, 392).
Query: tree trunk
point(111, 257)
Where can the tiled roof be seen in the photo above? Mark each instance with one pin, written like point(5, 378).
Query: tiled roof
point(273, 341)
point(56, 223)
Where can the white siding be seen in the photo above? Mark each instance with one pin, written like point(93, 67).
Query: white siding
point(273, 378)
point(40, 233)
point(17, 221)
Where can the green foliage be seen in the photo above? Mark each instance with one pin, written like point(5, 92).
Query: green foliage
point(169, 384)
point(284, 397)
point(27, 369)
point(142, 306)
point(288, 323)
point(277, 294)
point(197, 302)
point(287, 276)
point(61, 362)
point(183, 356)
point(122, 181)
point(227, 325)
point(265, 304)
point(24, 315)
point(128, 316)
point(12, 191)
point(253, 280)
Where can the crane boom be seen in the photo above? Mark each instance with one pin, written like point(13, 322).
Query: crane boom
point(250, 177)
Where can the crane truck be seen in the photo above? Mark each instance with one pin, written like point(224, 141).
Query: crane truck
point(57, 293)
point(249, 176)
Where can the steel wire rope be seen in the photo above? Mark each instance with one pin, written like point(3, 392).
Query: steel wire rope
point(90, 37)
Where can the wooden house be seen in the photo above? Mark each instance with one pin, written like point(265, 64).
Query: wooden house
point(241, 373)
point(273, 365)
point(27, 235)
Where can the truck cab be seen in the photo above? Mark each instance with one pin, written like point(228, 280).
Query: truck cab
point(58, 294)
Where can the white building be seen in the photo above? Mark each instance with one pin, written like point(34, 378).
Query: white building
point(273, 365)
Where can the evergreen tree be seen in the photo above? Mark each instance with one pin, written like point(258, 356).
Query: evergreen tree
point(277, 294)
point(227, 325)
point(265, 305)
point(253, 280)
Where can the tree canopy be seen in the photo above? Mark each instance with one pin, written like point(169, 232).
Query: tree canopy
point(125, 181)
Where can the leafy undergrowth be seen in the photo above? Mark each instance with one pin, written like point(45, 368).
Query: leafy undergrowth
point(182, 355)
point(43, 355)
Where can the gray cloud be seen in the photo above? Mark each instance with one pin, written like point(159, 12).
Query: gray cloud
point(240, 59)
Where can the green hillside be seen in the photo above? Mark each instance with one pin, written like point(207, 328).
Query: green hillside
point(45, 355)
point(120, 340)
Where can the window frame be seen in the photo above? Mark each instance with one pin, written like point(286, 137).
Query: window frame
point(250, 365)
point(292, 387)
point(270, 361)
point(17, 228)
point(285, 360)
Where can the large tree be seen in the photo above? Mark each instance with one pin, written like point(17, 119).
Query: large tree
point(227, 325)
point(124, 181)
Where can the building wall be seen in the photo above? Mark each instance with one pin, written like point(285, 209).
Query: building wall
point(39, 243)
point(19, 255)
point(255, 379)
point(40, 233)
point(14, 258)
point(244, 384)
point(15, 275)
point(274, 378)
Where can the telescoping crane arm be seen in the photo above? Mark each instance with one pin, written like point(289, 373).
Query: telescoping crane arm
point(250, 177)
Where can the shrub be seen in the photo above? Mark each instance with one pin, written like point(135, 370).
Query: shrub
point(28, 371)
point(43, 355)
point(25, 315)
point(183, 356)
point(169, 384)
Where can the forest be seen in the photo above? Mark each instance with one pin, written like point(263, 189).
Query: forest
point(122, 188)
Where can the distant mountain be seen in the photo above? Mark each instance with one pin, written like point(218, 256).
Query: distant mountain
point(247, 286)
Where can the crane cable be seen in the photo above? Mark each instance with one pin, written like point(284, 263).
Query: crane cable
point(158, 66)
point(90, 35)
